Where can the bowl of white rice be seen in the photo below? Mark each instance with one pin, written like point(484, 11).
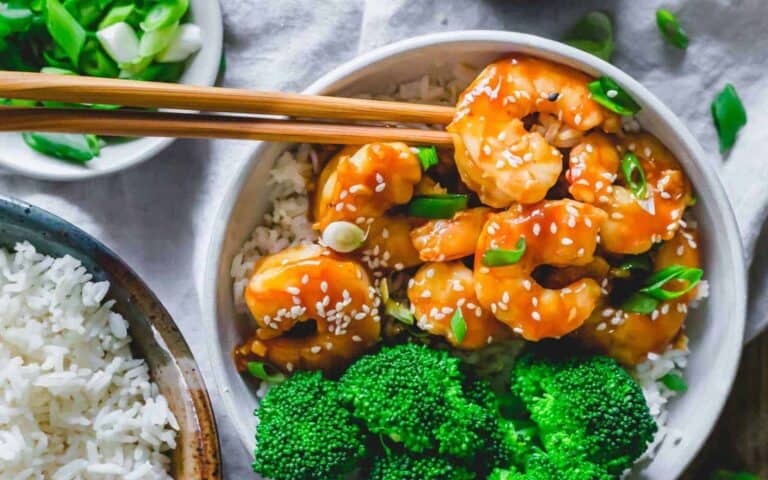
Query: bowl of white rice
point(96, 381)
point(266, 208)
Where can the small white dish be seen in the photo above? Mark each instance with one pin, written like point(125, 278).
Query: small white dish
point(715, 329)
point(202, 70)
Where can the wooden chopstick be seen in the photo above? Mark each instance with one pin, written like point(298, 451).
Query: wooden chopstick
point(79, 89)
point(189, 125)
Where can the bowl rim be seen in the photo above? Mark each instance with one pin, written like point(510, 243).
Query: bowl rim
point(60, 231)
point(214, 36)
point(328, 83)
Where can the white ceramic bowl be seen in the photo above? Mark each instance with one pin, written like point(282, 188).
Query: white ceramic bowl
point(715, 329)
point(16, 156)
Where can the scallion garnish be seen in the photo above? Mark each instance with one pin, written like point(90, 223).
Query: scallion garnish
point(259, 370)
point(593, 34)
point(499, 257)
point(636, 262)
point(634, 175)
point(658, 280)
point(729, 115)
point(458, 326)
point(398, 311)
point(674, 382)
point(437, 206)
point(670, 29)
point(609, 94)
point(640, 303)
point(427, 157)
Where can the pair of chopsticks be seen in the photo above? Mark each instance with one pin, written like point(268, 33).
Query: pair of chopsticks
point(240, 113)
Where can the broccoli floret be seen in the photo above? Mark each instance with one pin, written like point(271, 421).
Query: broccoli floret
point(305, 432)
point(409, 466)
point(592, 417)
point(413, 395)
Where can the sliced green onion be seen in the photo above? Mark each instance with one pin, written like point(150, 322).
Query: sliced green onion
point(259, 370)
point(164, 14)
point(427, 157)
point(86, 12)
point(117, 14)
point(658, 280)
point(674, 382)
point(634, 175)
point(729, 115)
point(437, 206)
point(155, 41)
point(458, 326)
point(343, 237)
point(17, 102)
point(66, 146)
point(160, 72)
point(96, 63)
point(57, 71)
point(120, 42)
point(640, 303)
point(593, 34)
point(399, 312)
point(609, 94)
point(187, 41)
point(670, 29)
point(499, 257)
point(14, 20)
point(66, 32)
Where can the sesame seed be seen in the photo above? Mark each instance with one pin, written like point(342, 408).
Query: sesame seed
point(680, 250)
point(305, 279)
point(566, 241)
point(580, 252)
point(343, 194)
point(339, 206)
point(536, 229)
point(379, 178)
point(577, 119)
point(616, 216)
point(601, 326)
point(505, 297)
point(315, 349)
point(527, 284)
point(380, 187)
point(356, 338)
point(399, 266)
point(612, 93)
point(536, 316)
point(293, 290)
point(426, 294)
point(553, 227)
point(588, 222)
point(323, 286)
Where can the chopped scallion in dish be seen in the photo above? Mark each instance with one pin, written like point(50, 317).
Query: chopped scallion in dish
point(437, 206)
point(634, 175)
point(609, 94)
point(499, 257)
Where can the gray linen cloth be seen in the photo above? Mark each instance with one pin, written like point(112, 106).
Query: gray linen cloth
point(157, 215)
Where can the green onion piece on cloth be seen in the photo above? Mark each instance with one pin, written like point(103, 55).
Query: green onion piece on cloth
point(729, 115)
point(437, 206)
point(499, 257)
point(634, 175)
point(670, 29)
point(609, 94)
point(593, 34)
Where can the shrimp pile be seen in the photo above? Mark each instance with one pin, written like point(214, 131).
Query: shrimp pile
point(548, 221)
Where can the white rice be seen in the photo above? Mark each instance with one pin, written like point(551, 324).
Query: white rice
point(74, 403)
point(287, 185)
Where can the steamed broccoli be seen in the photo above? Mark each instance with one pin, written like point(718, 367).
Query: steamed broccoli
point(413, 395)
point(305, 433)
point(409, 466)
point(592, 417)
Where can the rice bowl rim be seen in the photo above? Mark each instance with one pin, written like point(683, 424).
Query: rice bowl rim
point(730, 256)
point(197, 438)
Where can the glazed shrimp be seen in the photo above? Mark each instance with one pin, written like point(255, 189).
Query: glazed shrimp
point(388, 245)
point(496, 156)
point(630, 337)
point(359, 185)
point(306, 283)
point(633, 224)
point(450, 239)
point(558, 233)
point(437, 290)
